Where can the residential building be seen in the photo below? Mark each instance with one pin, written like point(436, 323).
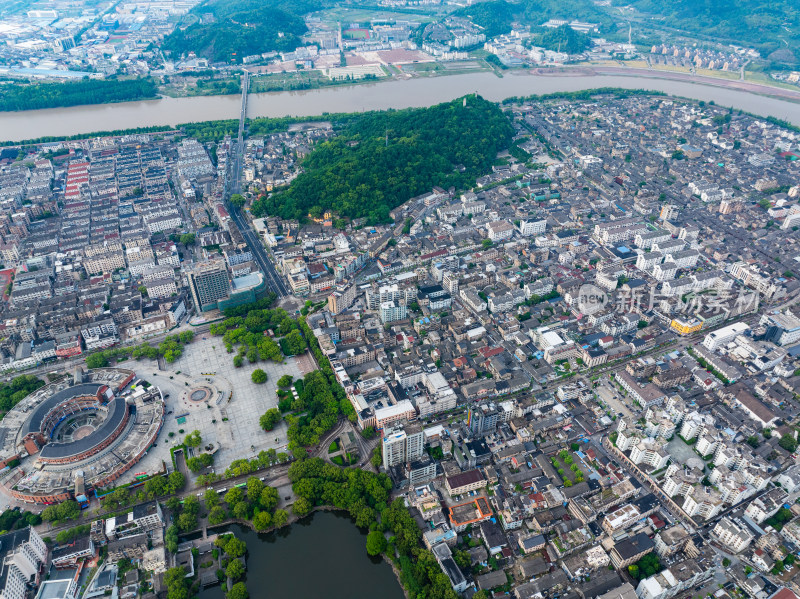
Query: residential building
point(731, 535)
point(630, 550)
point(23, 558)
point(402, 444)
point(462, 483)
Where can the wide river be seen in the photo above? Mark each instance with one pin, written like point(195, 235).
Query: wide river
point(321, 556)
point(386, 94)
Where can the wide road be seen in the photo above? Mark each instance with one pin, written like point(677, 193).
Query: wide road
point(234, 183)
point(274, 280)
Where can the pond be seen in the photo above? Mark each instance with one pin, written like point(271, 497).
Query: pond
point(323, 555)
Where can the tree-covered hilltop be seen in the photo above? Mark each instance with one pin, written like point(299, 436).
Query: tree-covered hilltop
point(561, 39)
point(497, 16)
point(228, 30)
point(20, 96)
point(382, 159)
point(769, 25)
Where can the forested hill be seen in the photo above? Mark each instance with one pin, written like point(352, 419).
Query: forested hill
point(497, 16)
point(769, 25)
point(228, 30)
point(359, 174)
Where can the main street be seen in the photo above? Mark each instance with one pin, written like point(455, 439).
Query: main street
point(238, 155)
point(274, 280)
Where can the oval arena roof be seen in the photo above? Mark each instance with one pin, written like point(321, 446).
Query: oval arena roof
point(34, 422)
point(116, 413)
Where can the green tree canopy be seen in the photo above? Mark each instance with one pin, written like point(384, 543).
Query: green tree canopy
point(376, 543)
point(240, 28)
point(234, 496)
point(788, 442)
point(259, 377)
point(563, 39)
point(269, 498)
point(293, 344)
point(193, 439)
point(217, 515)
point(15, 391)
point(171, 539)
point(176, 583)
point(235, 569)
point(358, 174)
point(97, 360)
point(238, 591)
point(302, 506)
point(494, 16)
point(200, 461)
point(269, 419)
point(262, 520)
point(19, 96)
point(280, 517)
point(254, 488)
point(66, 510)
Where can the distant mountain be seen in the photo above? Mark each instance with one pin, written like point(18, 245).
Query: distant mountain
point(227, 31)
point(496, 16)
point(768, 25)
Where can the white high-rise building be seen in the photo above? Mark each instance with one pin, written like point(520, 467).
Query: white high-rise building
point(393, 311)
point(729, 535)
point(23, 555)
point(402, 444)
point(532, 227)
point(725, 335)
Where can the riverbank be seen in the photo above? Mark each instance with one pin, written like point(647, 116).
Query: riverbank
point(396, 93)
point(307, 81)
point(791, 94)
point(17, 97)
point(734, 84)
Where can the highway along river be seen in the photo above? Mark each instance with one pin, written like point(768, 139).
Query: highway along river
point(374, 96)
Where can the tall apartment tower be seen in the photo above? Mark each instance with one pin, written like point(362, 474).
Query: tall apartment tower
point(450, 282)
point(481, 420)
point(209, 283)
point(668, 212)
point(23, 555)
point(403, 444)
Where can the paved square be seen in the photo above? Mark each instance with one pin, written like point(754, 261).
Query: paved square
point(232, 423)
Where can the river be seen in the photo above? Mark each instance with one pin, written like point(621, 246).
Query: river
point(323, 555)
point(375, 96)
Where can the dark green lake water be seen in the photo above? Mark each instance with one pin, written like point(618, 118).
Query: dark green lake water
point(322, 556)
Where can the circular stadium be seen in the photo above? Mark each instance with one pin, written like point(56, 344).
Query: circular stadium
point(70, 437)
point(75, 423)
